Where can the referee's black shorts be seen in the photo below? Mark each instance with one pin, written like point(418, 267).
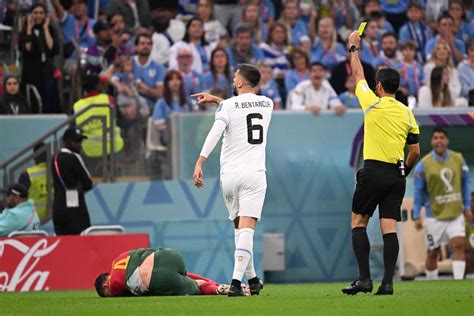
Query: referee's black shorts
point(379, 184)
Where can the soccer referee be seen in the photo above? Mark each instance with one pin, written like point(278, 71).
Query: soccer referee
point(388, 125)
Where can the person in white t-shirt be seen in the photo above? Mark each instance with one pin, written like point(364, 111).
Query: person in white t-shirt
point(244, 121)
point(315, 94)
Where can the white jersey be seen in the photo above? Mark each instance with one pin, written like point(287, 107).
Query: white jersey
point(247, 117)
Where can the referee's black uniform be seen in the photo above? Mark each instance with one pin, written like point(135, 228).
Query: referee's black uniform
point(70, 174)
point(388, 126)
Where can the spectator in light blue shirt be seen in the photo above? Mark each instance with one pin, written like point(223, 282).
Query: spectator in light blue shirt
point(325, 48)
point(251, 15)
point(298, 32)
point(415, 29)
point(464, 29)
point(242, 49)
point(218, 81)
point(173, 100)
point(299, 69)
point(348, 98)
point(445, 32)
point(20, 213)
point(268, 86)
point(466, 74)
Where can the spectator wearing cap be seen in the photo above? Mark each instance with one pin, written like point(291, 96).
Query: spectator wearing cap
point(411, 72)
point(194, 41)
point(415, 29)
point(135, 12)
point(315, 94)
point(20, 212)
point(446, 32)
point(242, 49)
point(148, 74)
point(71, 180)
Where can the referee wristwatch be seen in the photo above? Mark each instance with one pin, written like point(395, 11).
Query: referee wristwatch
point(352, 49)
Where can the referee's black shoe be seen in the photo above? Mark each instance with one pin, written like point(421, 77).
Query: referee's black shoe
point(364, 286)
point(236, 291)
point(385, 289)
point(256, 287)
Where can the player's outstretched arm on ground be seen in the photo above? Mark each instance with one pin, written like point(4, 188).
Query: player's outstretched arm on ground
point(203, 97)
point(356, 66)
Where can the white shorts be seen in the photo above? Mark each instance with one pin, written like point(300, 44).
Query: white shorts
point(440, 232)
point(244, 193)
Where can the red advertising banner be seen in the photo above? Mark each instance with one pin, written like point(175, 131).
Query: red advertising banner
point(60, 263)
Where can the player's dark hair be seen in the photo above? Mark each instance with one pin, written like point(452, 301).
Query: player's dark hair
point(250, 73)
point(317, 63)
point(439, 130)
point(99, 284)
point(389, 79)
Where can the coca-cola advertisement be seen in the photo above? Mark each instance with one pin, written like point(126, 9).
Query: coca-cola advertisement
point(60, 263)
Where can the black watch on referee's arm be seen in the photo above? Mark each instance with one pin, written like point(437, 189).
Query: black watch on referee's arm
point(352, 49)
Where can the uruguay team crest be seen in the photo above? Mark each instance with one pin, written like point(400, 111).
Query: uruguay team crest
point(151, 72)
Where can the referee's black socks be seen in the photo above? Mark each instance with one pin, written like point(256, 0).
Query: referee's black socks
point(390, 255)
point(361, 246)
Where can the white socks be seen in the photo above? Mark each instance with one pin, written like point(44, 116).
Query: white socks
point(243, 254)
point(458, 269)
point(432, 275)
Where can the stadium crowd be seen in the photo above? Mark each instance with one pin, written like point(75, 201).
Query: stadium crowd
point(152, 62)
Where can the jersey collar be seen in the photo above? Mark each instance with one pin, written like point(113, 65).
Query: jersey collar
point(439, 158)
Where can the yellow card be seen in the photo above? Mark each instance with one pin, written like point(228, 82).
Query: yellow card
point(361, 28)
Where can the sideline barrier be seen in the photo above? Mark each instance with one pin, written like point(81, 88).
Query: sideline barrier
point(60, 263)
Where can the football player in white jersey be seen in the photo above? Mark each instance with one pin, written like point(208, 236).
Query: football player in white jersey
point(244, 121)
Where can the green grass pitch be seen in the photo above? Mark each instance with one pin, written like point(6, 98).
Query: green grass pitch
point(452, 298)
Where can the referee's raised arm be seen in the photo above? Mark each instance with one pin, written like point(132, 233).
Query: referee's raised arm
point(388, 126)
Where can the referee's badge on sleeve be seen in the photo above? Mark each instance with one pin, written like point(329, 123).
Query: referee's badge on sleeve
point(365, 87)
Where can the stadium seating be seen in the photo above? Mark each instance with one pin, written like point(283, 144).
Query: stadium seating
point(103, 230)
point(31, 233)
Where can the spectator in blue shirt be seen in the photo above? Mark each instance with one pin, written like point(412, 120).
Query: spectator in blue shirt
point(415, 29)
point(349, 98)
point(275, 50)
point(299, 68)
point(446, 32)
point(325, 48)
point(266, 8)
point(173, 100)
point(297, 30)
point(148, 74)
point(411, 72)
point(192, 80)
point(20, 213)
point(268, 86)
point(251, 16)
point(463, 29)
point(242, 49)
point(370, 42)
point(466, 73)
point(218, 81)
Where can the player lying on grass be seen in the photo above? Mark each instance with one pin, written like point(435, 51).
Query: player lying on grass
point(146, 272)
